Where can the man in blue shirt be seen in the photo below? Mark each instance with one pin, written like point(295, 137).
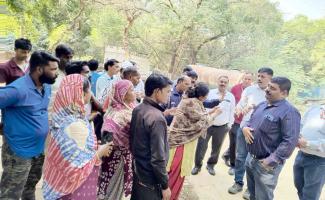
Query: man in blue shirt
point(182, 85)
point(271, 136)
point(309, 167)
point(106, 80)
point(94, 75)
point(25, 103)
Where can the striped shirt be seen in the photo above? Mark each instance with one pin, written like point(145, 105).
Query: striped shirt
point(276, 130)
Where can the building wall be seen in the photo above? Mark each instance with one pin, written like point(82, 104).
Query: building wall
point(210, 75)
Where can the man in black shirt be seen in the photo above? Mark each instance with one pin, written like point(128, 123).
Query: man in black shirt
point(149, 142)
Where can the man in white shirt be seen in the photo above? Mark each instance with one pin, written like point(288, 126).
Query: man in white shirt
point(309, 167)
point(65, 54)
point(218, 130)
point(106, 80)
point(251, 97)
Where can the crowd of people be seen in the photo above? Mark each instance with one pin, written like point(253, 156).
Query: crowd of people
point(110, 135)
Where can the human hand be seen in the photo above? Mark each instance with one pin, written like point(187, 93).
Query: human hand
point(172, 111)
point(265, 165)
point(105, 150)
point(217, 110)
point(166, 194)
point(238, 111)
point(302, 143)
point(249, 138)
point(247, 109)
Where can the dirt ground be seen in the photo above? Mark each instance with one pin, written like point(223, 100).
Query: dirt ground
point(206, 187)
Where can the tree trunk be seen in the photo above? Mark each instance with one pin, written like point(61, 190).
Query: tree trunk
point(126, 41)
point(172, 62)
point(193, 57)
point(130, 17)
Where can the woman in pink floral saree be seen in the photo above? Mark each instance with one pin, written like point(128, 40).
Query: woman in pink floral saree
point(116, 173)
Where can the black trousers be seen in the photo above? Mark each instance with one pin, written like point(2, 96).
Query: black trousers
point(218, 134)
point(98, 123)
point(232, 143)
point(143, 191)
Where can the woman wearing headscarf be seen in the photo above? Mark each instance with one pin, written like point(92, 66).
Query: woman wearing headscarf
point(72, 160)
point(116, 173)
point(191, 122)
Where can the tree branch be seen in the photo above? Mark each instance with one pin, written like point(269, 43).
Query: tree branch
point(238, 1)
point(75, 18)
point(148, 44)
point(100, 2)
point(199, 3)
point(171, 7)
point(210, 40)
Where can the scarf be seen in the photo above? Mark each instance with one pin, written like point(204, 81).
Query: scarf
point(118, 115)
point(192, 123)
point(67, 165)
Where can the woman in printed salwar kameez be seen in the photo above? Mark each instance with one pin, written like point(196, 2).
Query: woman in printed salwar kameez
point(191, 123)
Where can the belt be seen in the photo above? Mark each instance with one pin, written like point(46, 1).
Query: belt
point(257, 157)
point(152, 187)
point(220, 125)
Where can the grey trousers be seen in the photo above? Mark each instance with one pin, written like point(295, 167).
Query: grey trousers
point(217, 133)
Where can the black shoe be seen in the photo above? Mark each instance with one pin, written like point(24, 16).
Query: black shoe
point(196, 170)
point(227, 160)
point(211, 170)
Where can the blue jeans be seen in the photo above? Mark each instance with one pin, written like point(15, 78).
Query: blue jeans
point(241, 154)
point(261, 182)
point(309, 175)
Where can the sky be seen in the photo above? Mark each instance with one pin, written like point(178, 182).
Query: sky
point(313, 9)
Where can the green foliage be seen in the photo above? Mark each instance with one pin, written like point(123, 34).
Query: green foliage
point(171, 33)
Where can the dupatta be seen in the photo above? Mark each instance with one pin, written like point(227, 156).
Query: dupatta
point(68, 163)
point(118, 115)
point(192, 123)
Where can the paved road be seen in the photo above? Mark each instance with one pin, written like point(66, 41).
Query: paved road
point(206, 187)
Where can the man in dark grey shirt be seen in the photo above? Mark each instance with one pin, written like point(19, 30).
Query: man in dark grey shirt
point(271, 136)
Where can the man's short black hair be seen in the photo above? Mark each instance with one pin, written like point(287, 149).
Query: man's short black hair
point(181, 79)
point(187, 69)
point(75, 67)
point(93, 65)
point(283, 82)
point(266, 70)
point(41, 59)
point(63, 50)
point(156, 81)
point(130, 71)
point(23, 44)
point(192, 74)
point(200, 90)
point(110, 63)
